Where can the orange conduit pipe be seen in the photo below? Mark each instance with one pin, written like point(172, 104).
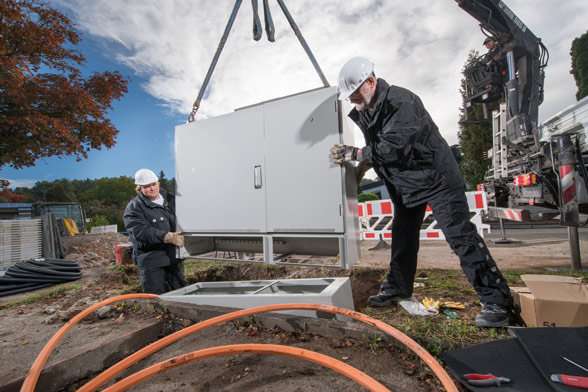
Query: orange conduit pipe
point(296, 352)
point(111, 372)
point(33, 374)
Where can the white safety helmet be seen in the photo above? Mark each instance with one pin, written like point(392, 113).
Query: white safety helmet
point(353, 74)
point(145, 177)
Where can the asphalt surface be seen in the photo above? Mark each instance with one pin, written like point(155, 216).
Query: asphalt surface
point(533, 232)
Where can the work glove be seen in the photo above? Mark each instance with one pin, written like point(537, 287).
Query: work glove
point(174, 238)
point(360, 171)
point(343, 153)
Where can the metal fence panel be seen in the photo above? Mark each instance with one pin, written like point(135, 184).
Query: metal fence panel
point(20, 240)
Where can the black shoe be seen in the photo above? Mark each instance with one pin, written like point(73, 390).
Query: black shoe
point(382, 299)
point(492, 316)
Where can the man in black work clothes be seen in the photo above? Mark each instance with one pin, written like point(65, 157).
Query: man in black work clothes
point(408, 153)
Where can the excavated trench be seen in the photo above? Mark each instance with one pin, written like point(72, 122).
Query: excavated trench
point(93, 346)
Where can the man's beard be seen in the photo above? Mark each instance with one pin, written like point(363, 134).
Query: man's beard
point(365, 102)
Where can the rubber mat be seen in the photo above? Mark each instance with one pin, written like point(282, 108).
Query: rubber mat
point(502, 358)
point(546, 347)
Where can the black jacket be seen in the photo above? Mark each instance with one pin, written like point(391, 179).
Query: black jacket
point(405, 146)
point(147, 224)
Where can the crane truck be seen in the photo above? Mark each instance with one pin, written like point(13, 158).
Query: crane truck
point(533, 165)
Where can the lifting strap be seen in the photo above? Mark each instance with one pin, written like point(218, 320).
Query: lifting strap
point(257, 32)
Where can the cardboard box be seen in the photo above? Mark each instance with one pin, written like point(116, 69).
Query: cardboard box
point(551, 301)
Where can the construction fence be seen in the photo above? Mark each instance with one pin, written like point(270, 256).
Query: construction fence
point(375, 218)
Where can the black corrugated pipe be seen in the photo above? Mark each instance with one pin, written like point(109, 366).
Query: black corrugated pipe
point(38, 273)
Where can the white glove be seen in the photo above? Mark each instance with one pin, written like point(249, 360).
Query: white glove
point(174, 238)
point(342, 153)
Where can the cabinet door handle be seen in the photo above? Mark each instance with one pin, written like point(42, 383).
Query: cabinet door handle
point(257, 177)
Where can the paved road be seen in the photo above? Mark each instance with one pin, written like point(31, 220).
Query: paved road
point(534, 232)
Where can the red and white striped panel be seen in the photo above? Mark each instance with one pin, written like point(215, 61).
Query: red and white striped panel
point(477, 202)
point(569, 197)
point(430, 233)
point(375, 235)
point(378, 207)
point(516, 215)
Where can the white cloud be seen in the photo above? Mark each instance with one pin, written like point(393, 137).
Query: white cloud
point(21, 183)
point(418, 45)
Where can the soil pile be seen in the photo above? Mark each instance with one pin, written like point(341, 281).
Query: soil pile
point(93, 249)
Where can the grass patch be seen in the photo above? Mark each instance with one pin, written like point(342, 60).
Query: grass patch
point(56, 292)
point(192, 266)
point(439, 333)
point(126, 268)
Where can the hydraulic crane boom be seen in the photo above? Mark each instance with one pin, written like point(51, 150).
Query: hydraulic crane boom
point(528, 171)
point(520, 84)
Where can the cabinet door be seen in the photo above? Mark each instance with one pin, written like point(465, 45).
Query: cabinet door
point(220, 172)
point(304, 189)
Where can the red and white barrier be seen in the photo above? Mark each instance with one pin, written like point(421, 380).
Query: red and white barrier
point(383, 211)
point(376, 217)
point(511, 214)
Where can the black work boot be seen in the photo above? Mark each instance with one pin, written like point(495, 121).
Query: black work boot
point(382, 299)
point(492, 316)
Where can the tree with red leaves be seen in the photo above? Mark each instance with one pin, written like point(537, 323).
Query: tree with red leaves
point(47, 108)
point(6, 196)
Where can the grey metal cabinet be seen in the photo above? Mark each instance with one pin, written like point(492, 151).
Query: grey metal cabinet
point(304, 191)
point(260, 179)
point(216, 162)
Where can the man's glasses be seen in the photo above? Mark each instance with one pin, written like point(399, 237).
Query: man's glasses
point(356, 92)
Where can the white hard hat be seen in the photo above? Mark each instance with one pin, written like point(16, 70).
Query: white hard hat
point(353, 74)
point(145, 177)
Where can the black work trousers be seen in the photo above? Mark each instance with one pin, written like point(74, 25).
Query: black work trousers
point(451, 211)
point(159, 280)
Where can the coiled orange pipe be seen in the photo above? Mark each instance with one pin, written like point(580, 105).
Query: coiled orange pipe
point(33, 374)
point(296, 352)
point(109, 373)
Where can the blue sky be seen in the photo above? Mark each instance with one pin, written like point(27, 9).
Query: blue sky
point(165, 47)
point(145, 139)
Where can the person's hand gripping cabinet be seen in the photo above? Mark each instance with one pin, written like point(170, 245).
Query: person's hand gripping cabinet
point(341, 153)
point(174, 238)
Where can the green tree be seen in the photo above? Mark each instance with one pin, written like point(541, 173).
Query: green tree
point(26, 192)
point(58, 190)
point(112, 191)
point(108, 197)
point(97, 220)
point(39, 190)
point(168, 185)
point(61, 191)
point(80, 186)
point(579, 54)
point(105, 213)
point(475, 138)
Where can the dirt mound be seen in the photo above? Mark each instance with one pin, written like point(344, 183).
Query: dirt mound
point(93, 249)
